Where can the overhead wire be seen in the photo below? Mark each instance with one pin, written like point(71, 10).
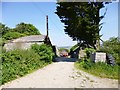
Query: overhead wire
point(44, 14)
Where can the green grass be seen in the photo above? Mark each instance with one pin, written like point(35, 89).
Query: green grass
point(98, 69)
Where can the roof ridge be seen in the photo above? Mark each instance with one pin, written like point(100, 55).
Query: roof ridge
point(30, 38)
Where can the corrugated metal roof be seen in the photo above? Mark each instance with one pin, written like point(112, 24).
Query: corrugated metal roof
point(32, 38)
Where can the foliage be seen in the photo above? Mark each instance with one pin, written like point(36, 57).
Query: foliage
point(20, 30)
point(17, 63)
point(27, 29)
point(112, 46)
point(3, 29)
point(89, 51)
point(99, 69)
point(82, 20)
point(2, 41)
point(12, 35)
point(45, 52)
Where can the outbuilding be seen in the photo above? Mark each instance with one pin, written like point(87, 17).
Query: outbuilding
point(26, 42)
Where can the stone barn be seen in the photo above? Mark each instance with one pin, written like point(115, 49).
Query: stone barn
point(26, 42)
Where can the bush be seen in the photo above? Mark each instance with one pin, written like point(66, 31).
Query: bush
point(89, 51)
point(17, 63)
point(2, 41)
point(27, 29)
point(12, 35)
point(102, 69)
point(45, 52)
point(112, 46)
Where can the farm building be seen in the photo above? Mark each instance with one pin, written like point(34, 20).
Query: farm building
point(26, 42)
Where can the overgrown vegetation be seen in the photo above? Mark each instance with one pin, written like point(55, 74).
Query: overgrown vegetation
point(20, 30)
point(44, 51)
point(98, 69)
point(2, 41)
point(18, 63)
point(89, 51)
point(12, 35)
point(111, 46)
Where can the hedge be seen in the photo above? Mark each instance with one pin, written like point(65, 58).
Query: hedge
point(18, 63)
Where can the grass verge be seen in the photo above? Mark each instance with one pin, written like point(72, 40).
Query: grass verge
point(98, 69)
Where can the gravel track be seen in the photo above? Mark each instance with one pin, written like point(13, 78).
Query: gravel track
point(61, 75)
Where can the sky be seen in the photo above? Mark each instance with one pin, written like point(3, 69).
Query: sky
point(35, 13)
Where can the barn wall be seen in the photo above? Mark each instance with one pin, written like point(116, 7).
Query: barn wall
point(19, 45)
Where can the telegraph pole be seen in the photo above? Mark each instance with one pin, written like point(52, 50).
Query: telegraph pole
point(47, 25)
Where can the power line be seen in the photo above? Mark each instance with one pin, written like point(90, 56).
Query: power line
point(44, 14)
point(54, 23)
point(38, 8)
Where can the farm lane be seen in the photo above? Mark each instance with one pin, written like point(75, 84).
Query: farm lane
point(61, 75)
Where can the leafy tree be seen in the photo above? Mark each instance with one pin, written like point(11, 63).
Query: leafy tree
point(20, 30)
point(12, 35)
point(82, 20)
point(27, 29)
point(3, 29)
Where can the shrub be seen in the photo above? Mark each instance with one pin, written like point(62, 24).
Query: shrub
point(12, 35)
point(89, 51)
point(102, 69)
point(27, 29)
point(45, 52)
point(112, 46)
point(20, 62)
point(2, 41)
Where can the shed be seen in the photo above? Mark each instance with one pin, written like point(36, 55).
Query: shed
point(26, 42)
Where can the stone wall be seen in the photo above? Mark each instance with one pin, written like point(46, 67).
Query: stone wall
point(19, 45)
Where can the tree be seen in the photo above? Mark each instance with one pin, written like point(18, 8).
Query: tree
point(27, 29)
point(20, 30)
point(12, 35)
point(82, 20)
point(3, 29)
